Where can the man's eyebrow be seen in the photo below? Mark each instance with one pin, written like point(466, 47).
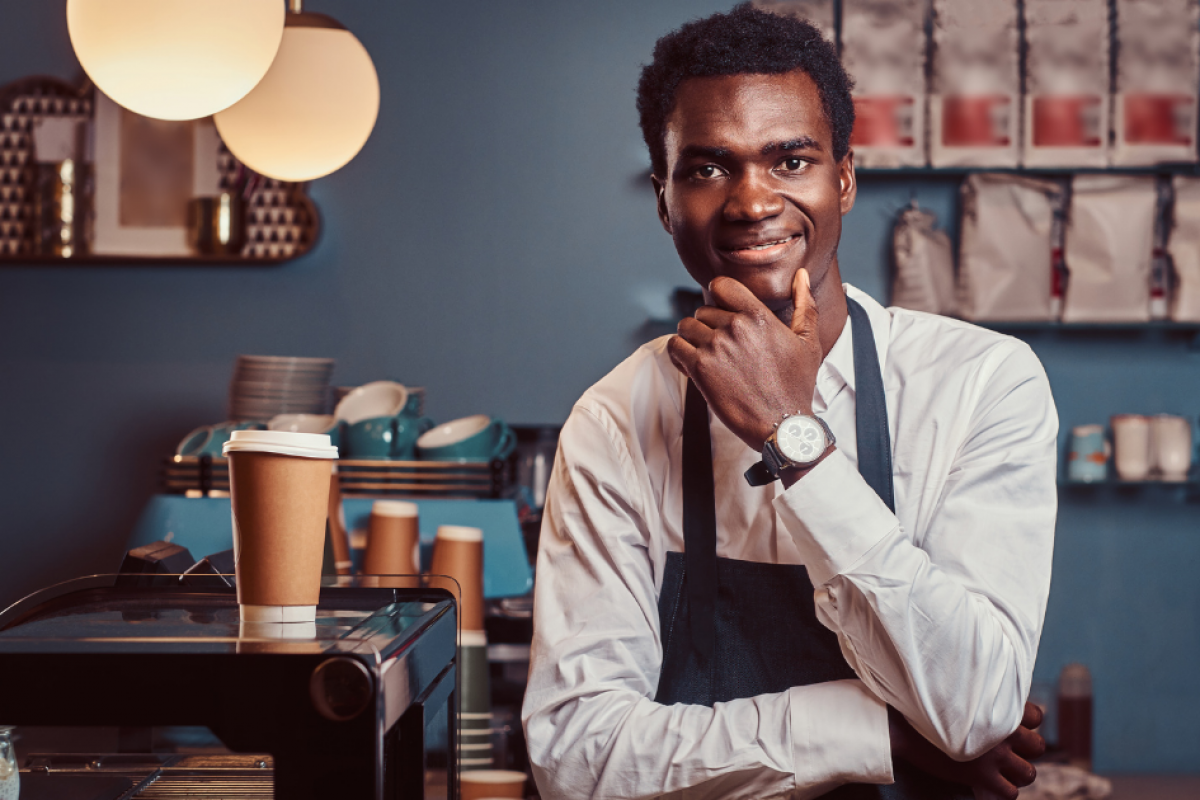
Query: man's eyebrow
point(799, 143)
point(704, 151)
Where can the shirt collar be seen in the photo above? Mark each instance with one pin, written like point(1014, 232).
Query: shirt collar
point(837, 370)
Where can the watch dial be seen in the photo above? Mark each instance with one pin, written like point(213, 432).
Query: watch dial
point(801, 439)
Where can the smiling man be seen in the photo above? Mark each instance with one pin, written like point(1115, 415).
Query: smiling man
point(803, 547)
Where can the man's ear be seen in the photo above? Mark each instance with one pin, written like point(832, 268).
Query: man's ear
point(849, 182)
point(660, 199)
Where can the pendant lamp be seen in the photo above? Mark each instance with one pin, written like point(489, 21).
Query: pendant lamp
point(175, 59)
point(315, 108)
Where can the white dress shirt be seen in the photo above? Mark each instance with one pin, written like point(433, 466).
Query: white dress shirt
point(938, 608)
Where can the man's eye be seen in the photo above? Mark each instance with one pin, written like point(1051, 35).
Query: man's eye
point(792, 164)
point(708, 172)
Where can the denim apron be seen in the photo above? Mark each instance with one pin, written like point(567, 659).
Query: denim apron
point(734, 629)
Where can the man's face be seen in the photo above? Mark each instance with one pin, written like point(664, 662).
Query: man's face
point(752, 190)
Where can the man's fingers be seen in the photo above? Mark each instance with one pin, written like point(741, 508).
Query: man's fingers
point(1032, 718)
point(695, 332)
point(1017, 770)
point(804, 308)
point(733, 295)
point(1026, 743)
point(715, 317)
point(682, 354)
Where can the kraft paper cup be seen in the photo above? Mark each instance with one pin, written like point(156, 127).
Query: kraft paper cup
point(484, 783)
point(458, 553)
point(392, 543)
point(279, 493)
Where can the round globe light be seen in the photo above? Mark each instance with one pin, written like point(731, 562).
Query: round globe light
point(175, 59)
point(315, 108)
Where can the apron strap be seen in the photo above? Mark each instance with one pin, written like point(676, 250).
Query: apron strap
point(699, 522)
point(870, 409)
point(699, 497)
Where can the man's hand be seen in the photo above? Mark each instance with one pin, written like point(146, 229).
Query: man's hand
point(998, 773)
point(751, 368)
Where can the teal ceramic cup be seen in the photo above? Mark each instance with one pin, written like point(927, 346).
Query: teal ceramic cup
point(384, 437)
point(475, 438)
point(408, 430)
point(209, 439)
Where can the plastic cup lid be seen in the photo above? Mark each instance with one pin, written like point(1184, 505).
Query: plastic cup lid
point(458, 533)
point(394, 508)
point(284, 443)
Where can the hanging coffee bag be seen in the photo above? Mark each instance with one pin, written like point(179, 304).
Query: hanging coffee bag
point(1006, 266)
point(883, 48)
point(1109, 245)
point(924, 278)
point(1066, 83)
point(1157, 81)
point(974, 105)
point(1184, 249)
point(818, 12)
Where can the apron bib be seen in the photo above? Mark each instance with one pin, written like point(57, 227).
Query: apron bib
point(733, 629)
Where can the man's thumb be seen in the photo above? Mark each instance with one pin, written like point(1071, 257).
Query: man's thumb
point(802, 300)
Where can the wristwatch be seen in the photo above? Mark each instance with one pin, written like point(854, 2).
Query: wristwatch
point(799, 440)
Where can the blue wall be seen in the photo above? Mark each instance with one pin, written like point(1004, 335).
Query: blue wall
point(494, 244)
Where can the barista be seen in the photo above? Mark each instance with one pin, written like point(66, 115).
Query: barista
point(803, 547)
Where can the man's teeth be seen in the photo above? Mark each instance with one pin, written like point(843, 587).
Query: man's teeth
point(768, 244)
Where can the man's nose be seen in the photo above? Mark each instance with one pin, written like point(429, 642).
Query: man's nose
point(752, 198)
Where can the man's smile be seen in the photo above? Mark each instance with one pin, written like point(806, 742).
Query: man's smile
point(760, 251)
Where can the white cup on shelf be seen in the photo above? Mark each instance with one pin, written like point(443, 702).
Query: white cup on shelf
point(1171, 446)
point(1131, 443)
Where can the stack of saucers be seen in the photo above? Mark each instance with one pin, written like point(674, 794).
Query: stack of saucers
point(265, 386)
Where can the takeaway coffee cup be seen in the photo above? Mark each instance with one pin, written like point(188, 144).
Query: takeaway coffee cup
point(458, 553)
point(1131, 440)
point(474, 438)
point(279, 494)
point(491, 783)
point(392, 542)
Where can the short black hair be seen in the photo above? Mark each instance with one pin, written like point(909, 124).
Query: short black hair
point(746, 41)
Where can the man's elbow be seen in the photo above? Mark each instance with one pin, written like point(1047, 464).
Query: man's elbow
point(970, 736)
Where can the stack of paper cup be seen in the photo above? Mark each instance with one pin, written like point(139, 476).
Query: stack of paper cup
point(458, 554)
point(279, 494)
point(393, 541)
point(489, 784)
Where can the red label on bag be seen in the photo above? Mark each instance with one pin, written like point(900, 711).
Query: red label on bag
point(976, 121)
point(1066, 121)
point(883, 122)
point(1158, 118)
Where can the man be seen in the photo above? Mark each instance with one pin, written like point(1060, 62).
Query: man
point(859, 615)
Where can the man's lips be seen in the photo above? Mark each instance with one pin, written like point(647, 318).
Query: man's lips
point(761, 251)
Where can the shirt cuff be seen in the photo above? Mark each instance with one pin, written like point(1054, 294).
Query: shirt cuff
point(834, 517)
point(839, 735)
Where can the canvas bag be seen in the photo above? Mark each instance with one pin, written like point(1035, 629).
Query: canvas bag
point(924, 260)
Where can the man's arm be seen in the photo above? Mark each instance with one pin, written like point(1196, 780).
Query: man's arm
point(592, 725)
point(942, 623)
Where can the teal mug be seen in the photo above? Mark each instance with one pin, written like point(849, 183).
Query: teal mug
point(475, 438)
point(384, 437)
point(209, 439)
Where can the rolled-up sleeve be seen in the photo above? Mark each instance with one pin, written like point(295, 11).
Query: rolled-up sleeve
point(943, 623)
point(590, 719)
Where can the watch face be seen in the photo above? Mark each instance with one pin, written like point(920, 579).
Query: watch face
point(800, 439)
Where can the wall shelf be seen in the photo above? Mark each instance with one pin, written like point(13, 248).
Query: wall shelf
point(281, 221)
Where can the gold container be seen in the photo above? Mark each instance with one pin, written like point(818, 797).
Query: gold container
point(217, 225)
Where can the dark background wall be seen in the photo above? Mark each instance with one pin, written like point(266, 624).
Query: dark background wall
point(495, 243)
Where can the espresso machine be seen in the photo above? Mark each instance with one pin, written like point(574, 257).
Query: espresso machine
point(361, 704)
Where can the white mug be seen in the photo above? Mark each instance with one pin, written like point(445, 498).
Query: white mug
point(1131, 441)
point(1171, 446)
